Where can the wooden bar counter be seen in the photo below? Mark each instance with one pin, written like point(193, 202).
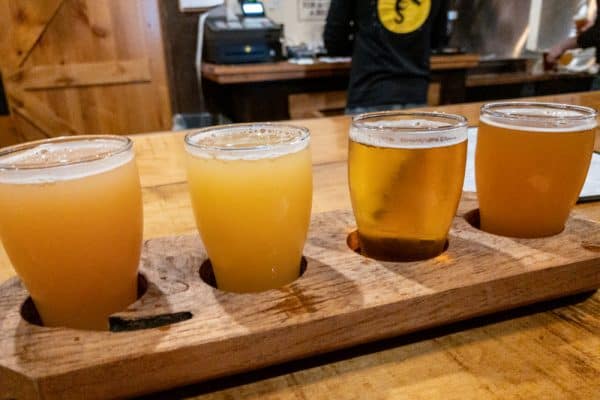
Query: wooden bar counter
point(260, 92)
point(283, 70)
point(546, 351)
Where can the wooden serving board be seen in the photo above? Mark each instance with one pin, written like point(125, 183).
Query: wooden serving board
point(342, 299)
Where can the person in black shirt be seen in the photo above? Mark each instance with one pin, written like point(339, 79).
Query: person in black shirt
point(588, 37)
point(390, 42)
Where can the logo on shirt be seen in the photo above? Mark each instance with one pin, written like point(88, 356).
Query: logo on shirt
point(403, 16)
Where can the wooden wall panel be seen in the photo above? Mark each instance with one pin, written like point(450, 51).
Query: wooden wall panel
point(37, 112)
point(99, 66)
point(82, 74)
point(22, 24)
point(8, 136)
point(180, 31)
point(155, 41)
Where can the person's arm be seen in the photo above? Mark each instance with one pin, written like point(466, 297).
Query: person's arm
point(338, 31)
point(588, 38)
point(558, 49)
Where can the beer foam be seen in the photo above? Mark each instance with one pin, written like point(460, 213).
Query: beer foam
point(247, 142)
point(407, 134)
point(551, 120)
point(59, 161)
point(539, 112)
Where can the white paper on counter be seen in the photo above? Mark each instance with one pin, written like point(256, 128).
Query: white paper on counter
point(590, 188)
point(197, 5)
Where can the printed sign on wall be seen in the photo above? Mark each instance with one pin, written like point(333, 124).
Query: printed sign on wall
point(313, 10)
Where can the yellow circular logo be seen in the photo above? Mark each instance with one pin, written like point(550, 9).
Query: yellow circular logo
point(403, 16)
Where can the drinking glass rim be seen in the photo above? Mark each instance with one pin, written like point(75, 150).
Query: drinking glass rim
point(297, 139)
point(585, 113)
point(126, 141)
point(358, 121)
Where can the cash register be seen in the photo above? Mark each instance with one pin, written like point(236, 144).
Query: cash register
point(247, 38)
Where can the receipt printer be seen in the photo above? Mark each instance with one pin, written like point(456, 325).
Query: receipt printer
point(250, 38)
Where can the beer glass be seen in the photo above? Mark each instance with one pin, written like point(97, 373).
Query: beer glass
point(530, 165)
point(71, 224)
point(406, 171)
point(251, 191)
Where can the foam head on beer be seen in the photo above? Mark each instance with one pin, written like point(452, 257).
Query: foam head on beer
point(50, 162)
point(538, 119)
point(249, 143)
point(413, 133)
point(71, 224)
point(405, 172)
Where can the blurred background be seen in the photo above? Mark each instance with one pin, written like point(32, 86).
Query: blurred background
point(115, 66)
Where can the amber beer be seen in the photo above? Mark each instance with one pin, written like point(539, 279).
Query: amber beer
point(71, 224)
point(531, 162)
point(406, 172)
point(251, 190)
point(580, 23)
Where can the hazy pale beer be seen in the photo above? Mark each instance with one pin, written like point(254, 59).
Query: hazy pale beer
point(251, 190)
point(530, 165)
point(406, 173)
point(71, 223)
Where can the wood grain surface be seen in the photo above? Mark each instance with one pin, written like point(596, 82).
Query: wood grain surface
point(521, 77)
point(7, 134)
point(83, 74)
point(23, 23)
point(542, 352)
point(342, 299)
point(283, 70)
point(37, 113)
point(94, 66)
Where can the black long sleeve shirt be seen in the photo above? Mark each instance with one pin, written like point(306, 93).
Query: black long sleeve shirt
point(390, 42)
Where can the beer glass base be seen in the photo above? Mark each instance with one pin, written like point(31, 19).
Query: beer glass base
point(520, 234)
point(499, 227)
point(520, 226)
point(402, 250)
point(207, 274)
